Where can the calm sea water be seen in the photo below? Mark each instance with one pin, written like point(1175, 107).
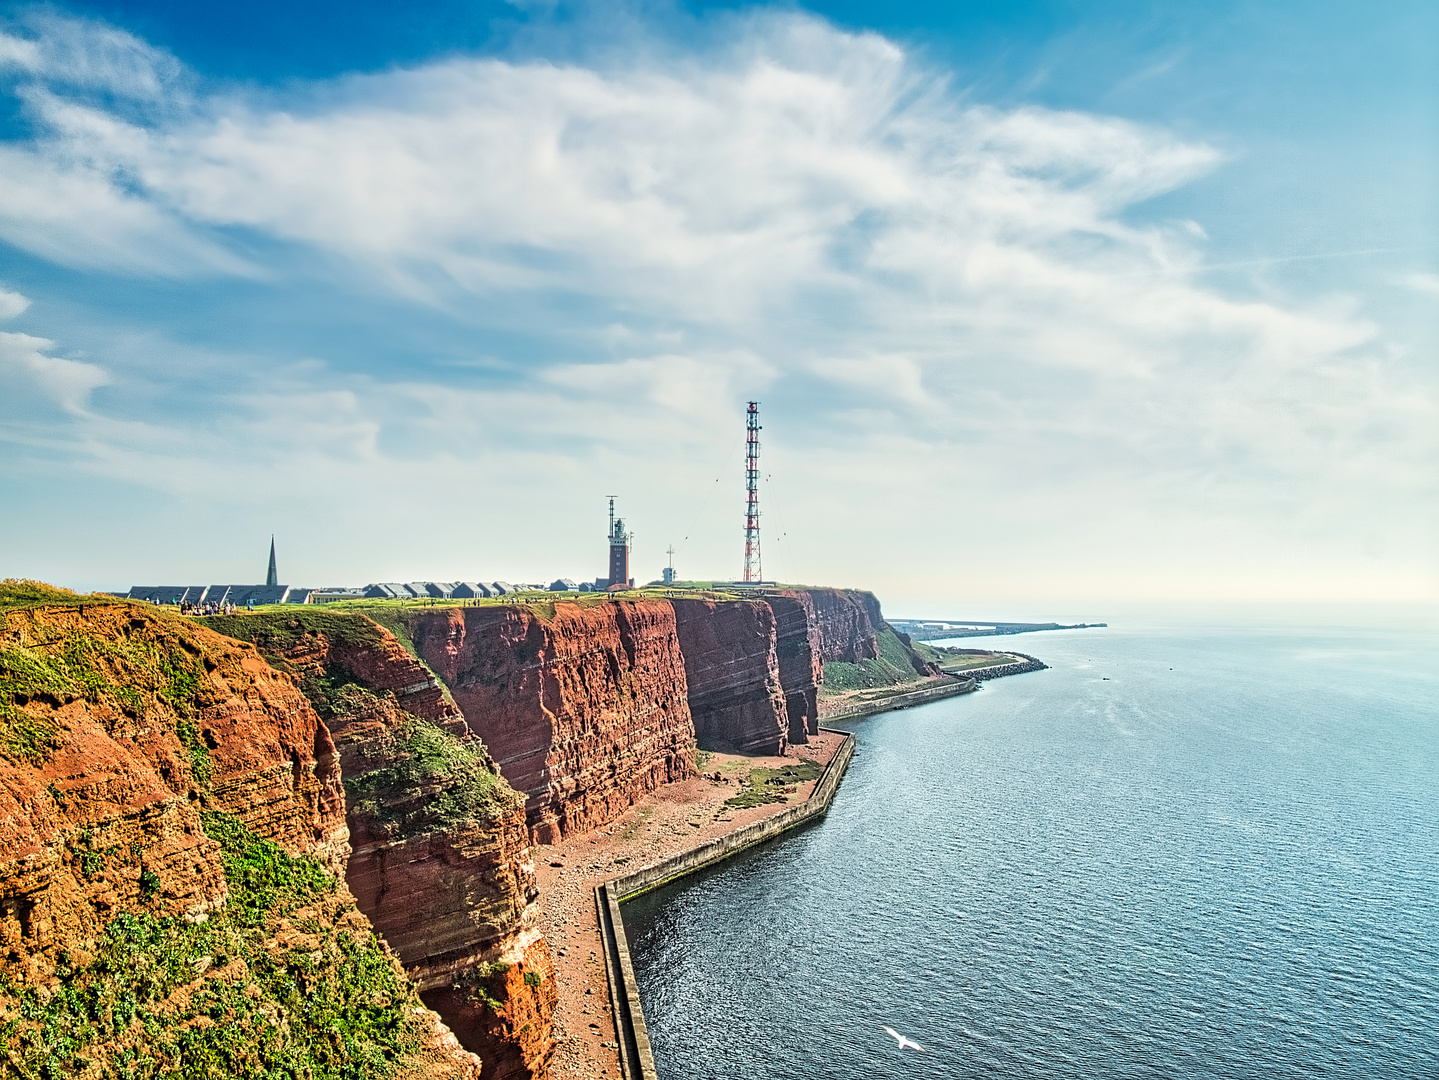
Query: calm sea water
point(1178, 853)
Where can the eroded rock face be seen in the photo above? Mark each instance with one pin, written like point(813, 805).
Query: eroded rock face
point(847, 623)
point(798, 649)
point(585, 711)
point(733, 673)
point(119, 725)
point(520, 980)
point(115, 771)
point(441, 857)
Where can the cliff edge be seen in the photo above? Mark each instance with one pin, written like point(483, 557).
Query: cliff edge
point(172, 840)
point(441, 858)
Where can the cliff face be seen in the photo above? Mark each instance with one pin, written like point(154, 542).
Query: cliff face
point(585, 710)
point(798, 648)
point(507, 1004)
point(733, 674)
point(847, 624)
point(120, 722)
point(442, 867)
point(441, 860)
point(170, 808)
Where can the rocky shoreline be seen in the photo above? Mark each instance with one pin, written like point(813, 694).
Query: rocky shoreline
point(1029, 663)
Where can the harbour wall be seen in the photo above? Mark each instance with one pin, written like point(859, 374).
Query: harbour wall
point(959, 684)
point(636, 1057)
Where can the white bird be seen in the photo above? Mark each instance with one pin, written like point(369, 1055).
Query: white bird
point(903, 1042)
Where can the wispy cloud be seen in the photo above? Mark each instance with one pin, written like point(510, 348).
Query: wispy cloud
point(86, 55)
point(802, 210)
point(68, 383)
point(12, 303)
point(1427, 284)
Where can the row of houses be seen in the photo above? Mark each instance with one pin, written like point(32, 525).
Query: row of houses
point(239, 595)
point(457, 590)
point(251, 595)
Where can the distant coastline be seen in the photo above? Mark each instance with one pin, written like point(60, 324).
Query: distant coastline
point(937, 629)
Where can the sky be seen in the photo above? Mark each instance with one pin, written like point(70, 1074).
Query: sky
point(1051, 308)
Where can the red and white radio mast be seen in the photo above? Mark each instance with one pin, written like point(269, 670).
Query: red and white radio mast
point(753, 565)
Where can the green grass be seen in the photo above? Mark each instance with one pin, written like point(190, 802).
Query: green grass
point(330, 1007)
point(127, 674)
point(768, 785)
point(429, 779)
point(23, 593)
point(279, 628)
point(892, 667)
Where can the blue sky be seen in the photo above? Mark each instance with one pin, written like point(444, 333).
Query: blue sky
point(1050, 306)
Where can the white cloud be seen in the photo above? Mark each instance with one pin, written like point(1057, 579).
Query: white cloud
point(68, 383)
point(805, 213)
point(12, 303)
point(88, 55)
point(1424, 283)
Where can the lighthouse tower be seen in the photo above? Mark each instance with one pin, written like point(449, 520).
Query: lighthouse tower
point(619, 551)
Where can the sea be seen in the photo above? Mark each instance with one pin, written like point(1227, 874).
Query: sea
point(1182, 851)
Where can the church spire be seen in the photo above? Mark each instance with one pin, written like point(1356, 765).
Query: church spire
point(273, 576)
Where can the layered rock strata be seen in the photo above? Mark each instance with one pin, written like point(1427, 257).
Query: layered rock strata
point(798, 651)
point(146, 766)
point(732, 670)
point(93, 741)
point(585, 709)
point(441, 860)
point(846, 623)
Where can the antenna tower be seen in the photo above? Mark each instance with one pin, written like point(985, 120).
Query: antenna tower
point(753, 565)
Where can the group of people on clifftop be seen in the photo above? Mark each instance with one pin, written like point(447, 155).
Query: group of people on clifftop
point(207, 608)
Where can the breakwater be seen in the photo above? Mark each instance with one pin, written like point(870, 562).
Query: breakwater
point(636, 1056)
point(1029, 663)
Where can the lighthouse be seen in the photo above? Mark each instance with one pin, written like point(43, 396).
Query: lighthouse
point(619, 552)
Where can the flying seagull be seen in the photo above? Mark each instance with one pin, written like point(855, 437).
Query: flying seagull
point(903, 1042)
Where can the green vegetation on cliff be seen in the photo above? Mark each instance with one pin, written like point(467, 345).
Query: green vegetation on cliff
point(128, 674)
point(893, 666)
point(22, 592)
point(423, 778)
point(279, 628)
point(278, 631)
point(277, 984)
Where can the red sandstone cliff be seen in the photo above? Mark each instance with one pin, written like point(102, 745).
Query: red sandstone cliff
point(118, 726)
point(584, 710)
point(733, 674)
point(847, 623)
point(798, 651)
point(116, 766)
point(441, 862)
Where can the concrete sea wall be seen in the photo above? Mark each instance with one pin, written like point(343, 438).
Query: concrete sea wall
point(961, 684)
point(636, 1057)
